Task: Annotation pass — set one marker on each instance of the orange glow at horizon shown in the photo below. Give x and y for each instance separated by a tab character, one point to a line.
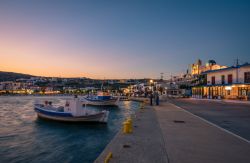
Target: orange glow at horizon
20	53
52	53
23	56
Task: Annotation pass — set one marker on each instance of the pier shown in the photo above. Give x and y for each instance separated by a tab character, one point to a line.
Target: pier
169	134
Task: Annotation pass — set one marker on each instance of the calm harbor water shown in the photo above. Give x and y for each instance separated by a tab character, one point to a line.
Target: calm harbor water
25	138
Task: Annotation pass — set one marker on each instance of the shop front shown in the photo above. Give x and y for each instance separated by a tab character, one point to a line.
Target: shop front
235	92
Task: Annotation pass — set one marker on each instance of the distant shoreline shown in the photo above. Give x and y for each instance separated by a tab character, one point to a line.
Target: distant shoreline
10	95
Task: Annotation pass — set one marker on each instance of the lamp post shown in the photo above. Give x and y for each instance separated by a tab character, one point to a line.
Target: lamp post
151	84
151	94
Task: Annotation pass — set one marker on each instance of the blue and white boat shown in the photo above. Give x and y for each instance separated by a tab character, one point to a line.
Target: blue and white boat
72	112
102	99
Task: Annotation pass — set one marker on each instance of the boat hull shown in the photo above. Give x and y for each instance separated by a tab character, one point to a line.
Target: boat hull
100	117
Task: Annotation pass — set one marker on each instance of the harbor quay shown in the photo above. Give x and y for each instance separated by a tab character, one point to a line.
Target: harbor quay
170	134
127	81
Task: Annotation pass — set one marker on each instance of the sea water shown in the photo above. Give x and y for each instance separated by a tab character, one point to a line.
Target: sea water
26	138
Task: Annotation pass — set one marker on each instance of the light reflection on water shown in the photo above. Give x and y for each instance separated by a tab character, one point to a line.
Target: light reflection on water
24	138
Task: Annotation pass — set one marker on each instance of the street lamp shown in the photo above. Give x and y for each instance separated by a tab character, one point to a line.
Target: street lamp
151	84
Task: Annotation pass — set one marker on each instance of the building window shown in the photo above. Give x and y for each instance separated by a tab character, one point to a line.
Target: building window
247	77
222	79
213	80
230	79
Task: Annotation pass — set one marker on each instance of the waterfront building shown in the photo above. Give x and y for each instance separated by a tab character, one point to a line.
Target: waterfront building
197	68
180	85
6	85
13	87
10	85
139	89
228	83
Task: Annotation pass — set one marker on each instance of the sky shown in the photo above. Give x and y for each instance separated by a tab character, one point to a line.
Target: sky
120	38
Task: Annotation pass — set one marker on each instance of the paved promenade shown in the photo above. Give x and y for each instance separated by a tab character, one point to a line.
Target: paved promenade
146	143
169	134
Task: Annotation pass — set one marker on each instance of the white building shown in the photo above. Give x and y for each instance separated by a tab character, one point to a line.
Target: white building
229	83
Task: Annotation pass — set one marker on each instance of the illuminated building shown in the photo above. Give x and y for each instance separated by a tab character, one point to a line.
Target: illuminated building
197	68
228	83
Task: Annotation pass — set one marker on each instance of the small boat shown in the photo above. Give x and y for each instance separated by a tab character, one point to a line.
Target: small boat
72	112
102	99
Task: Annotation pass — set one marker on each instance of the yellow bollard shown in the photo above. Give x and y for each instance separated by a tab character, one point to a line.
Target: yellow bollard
129	120
126	127
109	156
141	106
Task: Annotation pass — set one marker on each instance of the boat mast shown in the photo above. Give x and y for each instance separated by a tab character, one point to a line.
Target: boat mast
102	84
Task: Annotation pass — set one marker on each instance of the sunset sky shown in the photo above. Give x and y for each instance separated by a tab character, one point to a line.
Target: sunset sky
120	38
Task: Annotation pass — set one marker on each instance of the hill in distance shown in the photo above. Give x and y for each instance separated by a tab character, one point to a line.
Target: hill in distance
12	76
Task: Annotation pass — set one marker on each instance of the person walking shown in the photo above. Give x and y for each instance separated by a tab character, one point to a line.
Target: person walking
151	99
157	99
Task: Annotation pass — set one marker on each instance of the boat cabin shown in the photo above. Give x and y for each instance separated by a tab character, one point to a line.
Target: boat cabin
103	95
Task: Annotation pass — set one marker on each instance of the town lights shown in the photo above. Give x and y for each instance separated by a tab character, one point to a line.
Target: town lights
228	88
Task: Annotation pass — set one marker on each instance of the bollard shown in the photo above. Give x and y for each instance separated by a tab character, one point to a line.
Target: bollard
141	105
126	127
129	120
108	157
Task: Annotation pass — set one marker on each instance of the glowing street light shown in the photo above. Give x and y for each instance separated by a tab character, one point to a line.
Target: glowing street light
151	84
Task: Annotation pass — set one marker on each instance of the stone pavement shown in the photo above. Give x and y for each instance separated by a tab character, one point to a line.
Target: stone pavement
145	144
169	134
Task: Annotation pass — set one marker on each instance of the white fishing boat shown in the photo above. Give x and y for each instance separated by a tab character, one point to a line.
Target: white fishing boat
73	111
102	99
